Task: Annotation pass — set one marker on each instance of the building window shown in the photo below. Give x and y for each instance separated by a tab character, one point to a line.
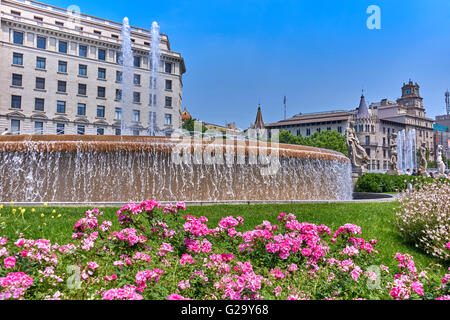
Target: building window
38	127
367	139
137	62
168	84
39	104
168	119
82	70
152	117
17	80
119	59
102	54
62	66
100	111
60	128
16	102
81	129
318	130
118	132
100	131
62	46
41	43
384	153
101	92
339	129
82	51
118	94
102	73
61	107
81	110
118	114
59	23
137	79
82	89
62	86
152	83
153	99
119	76
18	59
168	102
368	151
136	115
328	128
168	67
308	132
136	132
40	83
18	37
136	97
15	126
40	63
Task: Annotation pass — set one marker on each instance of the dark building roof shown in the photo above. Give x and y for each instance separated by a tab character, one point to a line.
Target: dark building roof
259	122
363	112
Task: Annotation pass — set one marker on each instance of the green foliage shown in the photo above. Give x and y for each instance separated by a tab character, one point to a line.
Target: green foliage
331	140
188	125
378	183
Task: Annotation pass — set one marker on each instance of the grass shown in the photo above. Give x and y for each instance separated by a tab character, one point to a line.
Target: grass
375	219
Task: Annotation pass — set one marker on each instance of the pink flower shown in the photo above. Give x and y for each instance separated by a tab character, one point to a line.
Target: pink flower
418	288
125	293
175	296
111	277
448	245
306	252
10	262
186	258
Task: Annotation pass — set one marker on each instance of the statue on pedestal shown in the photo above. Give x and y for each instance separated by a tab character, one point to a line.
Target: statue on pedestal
394	155
423	162
356	152
439	161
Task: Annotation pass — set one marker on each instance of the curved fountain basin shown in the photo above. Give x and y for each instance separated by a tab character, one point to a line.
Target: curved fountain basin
86	169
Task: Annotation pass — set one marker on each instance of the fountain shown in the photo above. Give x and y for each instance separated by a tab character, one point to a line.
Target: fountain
406	149
155	57
116	169
126	60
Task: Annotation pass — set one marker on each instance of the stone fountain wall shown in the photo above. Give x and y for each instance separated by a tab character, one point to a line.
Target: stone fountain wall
120	169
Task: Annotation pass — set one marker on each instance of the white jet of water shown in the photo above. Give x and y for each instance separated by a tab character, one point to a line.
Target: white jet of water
127	79
406	149
155	57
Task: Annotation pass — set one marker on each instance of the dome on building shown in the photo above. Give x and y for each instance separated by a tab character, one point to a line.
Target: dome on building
185	115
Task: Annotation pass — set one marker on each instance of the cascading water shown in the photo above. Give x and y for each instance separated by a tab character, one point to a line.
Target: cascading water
127	79
154	57
406	149
119	169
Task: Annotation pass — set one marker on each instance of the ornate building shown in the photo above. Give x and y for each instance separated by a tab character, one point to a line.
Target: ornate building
374	125
60	74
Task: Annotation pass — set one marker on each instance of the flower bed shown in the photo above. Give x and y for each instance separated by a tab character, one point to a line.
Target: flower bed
159	253
424	218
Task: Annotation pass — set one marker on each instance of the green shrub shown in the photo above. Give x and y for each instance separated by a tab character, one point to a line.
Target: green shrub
378	183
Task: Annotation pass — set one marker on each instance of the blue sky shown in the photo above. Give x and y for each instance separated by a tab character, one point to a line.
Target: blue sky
319	53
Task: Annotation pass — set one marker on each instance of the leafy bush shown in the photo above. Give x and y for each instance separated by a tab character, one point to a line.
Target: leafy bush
378	183
160	254
424	218
331	140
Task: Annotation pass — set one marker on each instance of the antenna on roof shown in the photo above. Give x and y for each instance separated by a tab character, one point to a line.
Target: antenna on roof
285	108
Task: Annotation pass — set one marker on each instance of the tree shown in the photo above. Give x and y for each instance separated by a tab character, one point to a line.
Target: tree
331	140
188	125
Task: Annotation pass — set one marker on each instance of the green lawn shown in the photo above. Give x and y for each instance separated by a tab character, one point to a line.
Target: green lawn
375	219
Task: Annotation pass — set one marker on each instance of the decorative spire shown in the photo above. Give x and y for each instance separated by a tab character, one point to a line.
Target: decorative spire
363	112
259	123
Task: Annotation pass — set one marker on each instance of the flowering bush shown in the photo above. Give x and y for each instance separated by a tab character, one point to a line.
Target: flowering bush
424	218
159	253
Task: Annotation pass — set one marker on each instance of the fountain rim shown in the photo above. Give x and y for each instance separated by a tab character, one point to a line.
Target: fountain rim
105	143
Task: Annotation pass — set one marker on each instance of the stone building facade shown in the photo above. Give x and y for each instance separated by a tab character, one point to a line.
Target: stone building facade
374	125
60	74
